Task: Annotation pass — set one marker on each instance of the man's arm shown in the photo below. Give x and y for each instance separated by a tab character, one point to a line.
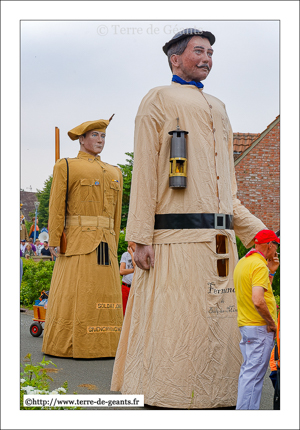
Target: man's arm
124	271
273	265
53	252
262	308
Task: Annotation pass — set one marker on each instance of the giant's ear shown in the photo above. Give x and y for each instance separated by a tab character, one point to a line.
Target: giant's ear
175	60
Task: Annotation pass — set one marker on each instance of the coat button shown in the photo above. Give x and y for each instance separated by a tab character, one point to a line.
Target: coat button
218	177
216	153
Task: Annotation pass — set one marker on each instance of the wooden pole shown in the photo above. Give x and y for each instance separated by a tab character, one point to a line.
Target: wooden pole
57	156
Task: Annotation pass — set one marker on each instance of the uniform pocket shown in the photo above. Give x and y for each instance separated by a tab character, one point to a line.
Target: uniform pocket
112	193
86	189
115	188
89	190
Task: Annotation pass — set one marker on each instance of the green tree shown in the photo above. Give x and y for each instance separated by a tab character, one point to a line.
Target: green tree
43	197
126	170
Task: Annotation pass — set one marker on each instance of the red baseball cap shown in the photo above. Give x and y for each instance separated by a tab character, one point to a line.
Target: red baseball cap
266	236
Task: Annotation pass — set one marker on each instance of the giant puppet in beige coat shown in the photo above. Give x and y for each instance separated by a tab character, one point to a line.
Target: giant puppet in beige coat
84	314
179	344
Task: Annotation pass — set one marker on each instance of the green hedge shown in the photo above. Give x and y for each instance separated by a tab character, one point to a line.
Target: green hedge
36	278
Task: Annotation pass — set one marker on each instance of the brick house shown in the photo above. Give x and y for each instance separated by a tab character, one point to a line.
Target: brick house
257	168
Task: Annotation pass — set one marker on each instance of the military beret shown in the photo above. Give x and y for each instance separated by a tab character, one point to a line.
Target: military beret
98	125
186	33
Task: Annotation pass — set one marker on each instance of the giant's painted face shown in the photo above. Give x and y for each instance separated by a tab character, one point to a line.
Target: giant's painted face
93	142
195	62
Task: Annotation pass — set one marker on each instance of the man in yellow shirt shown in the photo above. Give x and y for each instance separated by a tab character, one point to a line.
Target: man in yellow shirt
257	317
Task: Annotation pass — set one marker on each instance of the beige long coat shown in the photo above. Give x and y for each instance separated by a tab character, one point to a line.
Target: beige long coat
179	344
84	315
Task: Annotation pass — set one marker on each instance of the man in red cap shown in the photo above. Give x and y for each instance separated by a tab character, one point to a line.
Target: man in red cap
257	316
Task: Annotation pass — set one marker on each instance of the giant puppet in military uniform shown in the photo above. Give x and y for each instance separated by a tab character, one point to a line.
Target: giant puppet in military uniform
179	344
84	314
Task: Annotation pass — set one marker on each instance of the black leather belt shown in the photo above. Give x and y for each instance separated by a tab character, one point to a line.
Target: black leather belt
188	221
126	285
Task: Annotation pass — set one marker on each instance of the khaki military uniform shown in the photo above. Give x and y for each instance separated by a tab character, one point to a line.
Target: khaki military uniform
179	344
84	314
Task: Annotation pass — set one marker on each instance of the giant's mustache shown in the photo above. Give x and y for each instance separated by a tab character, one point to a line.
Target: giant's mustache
205	66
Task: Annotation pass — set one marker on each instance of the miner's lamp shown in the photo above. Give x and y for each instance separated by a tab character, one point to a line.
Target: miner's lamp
178	159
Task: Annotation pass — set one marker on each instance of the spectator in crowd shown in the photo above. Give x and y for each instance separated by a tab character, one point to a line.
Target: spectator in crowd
28	251
32	245
23	246
31	231
21	267
257	315
46	250
127	266
273	368
38	246
23	229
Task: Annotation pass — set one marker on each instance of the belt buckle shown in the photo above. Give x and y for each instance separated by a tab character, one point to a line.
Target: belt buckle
220	221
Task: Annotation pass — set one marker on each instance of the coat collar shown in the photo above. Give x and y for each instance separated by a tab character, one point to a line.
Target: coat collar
88	157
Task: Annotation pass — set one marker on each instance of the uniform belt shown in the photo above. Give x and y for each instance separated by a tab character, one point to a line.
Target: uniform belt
90	221
189	221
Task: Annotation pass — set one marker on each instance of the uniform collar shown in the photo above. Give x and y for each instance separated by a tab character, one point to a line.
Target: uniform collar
88	157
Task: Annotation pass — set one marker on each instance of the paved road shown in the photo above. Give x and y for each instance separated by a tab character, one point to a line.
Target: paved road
91	376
